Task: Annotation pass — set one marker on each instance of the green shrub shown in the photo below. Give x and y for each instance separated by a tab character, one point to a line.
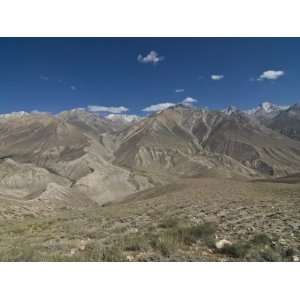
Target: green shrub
269	254
165	247
168	223
92	252
205	232
261	239
20	253
178	236
259	248
237	250
113	254
134	243
289	253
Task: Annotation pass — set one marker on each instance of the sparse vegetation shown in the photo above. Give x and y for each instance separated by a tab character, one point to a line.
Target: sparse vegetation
134	243
236	250
112	254
259	248
183	184
142	231
169	223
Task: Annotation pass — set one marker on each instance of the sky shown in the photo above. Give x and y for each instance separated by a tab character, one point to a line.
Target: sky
142	75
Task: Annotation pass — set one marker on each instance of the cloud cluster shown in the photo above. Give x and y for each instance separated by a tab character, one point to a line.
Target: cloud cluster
270	75
110	109
151	58
216	77
123	117
189	101
158	107
179	91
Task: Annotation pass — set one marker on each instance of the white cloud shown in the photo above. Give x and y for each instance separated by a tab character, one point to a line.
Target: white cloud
111	109
158	107
151	58
217	77
179	91
189	101
73	87
123	117
270	75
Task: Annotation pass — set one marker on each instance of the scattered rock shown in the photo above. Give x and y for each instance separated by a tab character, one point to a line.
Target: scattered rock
129	257
82	244
251	229
133	230
296	258
282	242
82	247
222	243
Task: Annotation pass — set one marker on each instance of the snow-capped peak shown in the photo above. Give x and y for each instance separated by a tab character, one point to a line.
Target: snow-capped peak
270	107
229	110
266	107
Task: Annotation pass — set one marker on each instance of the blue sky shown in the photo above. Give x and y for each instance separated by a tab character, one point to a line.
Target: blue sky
55	74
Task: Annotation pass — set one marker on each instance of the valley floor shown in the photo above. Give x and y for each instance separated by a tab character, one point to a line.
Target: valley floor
195	219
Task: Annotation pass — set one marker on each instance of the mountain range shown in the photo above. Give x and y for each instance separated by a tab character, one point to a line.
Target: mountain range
78	158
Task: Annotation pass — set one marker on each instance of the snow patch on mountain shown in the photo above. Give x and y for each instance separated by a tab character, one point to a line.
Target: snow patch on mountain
229	110
266	108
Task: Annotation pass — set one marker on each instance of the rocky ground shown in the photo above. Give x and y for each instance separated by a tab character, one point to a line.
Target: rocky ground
195	219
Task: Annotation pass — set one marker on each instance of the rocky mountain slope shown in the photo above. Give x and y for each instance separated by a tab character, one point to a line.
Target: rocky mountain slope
185	140
266	110
103	159
36	150
287	122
